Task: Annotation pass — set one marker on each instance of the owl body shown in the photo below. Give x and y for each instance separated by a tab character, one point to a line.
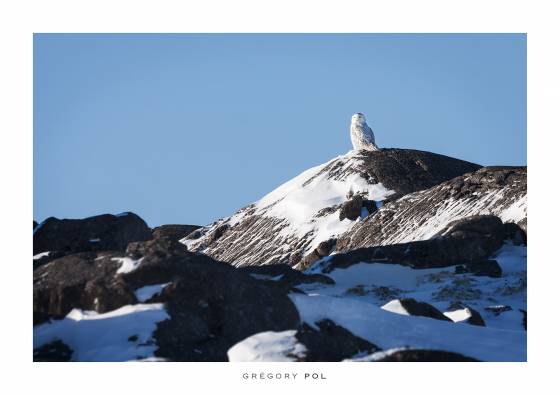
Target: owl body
361	134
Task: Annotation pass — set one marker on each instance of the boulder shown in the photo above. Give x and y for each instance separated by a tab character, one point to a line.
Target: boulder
213	306
486	230
475	318
351	209
515	233
331	342
175	232
55	351
487	267
100	233
85	280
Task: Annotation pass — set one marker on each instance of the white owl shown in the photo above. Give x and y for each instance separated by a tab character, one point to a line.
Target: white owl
361	134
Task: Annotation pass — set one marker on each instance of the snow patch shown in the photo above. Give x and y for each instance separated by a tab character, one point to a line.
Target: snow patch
268	347
105	337
40	255
149	291
127	264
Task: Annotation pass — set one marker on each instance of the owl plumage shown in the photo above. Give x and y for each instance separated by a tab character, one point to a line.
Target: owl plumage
361	134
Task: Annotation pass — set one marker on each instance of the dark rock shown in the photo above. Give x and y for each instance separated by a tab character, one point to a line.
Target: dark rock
370	206
35	224
396	219
414	307
197	234
515	233
55	351
100	233
175	232
214	306
488	230
218	232
524	312
412	355
351	209
84	280
488	268
133	338
475	318
498	309
331	343
461	244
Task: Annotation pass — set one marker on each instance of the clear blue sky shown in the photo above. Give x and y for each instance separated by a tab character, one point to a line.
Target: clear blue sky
189	128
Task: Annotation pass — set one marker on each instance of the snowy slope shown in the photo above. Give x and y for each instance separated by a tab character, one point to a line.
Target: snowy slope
294	218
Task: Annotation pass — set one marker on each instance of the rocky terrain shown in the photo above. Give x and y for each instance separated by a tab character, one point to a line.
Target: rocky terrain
389	255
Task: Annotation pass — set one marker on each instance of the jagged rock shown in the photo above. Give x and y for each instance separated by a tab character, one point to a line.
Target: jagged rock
412	355
461	243
99	233
56	351
488	267
35	224
414	307
176	232
420	215
331	342
351	209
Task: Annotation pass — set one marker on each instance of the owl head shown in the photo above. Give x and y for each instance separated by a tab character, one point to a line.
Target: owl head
358	118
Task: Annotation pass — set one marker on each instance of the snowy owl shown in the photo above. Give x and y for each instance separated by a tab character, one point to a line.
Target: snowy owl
361	134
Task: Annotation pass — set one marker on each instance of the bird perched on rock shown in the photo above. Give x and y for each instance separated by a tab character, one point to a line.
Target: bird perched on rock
361	134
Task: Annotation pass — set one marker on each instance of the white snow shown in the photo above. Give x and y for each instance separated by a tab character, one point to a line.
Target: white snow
127	264
105	337
359	300
267	347
94	240
300	199
389	330
149	291
40	255
395	306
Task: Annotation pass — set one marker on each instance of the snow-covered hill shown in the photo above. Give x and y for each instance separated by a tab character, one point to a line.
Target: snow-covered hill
291	221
